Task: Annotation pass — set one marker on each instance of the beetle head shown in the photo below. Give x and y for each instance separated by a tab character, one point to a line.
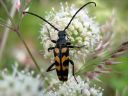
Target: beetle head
62	34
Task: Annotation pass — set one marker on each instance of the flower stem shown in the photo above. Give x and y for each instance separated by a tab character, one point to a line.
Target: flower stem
36	64
11	14
6	30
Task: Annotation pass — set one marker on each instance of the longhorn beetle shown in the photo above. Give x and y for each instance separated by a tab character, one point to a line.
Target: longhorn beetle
61	49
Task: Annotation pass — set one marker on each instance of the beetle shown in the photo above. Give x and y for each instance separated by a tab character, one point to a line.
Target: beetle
61	49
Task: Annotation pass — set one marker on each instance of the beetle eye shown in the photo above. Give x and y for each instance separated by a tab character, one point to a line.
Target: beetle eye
64	34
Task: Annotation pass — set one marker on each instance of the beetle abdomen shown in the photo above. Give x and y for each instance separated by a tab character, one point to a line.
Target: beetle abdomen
62	62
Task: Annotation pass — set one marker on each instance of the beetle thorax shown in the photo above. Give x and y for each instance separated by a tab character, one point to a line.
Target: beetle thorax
62	37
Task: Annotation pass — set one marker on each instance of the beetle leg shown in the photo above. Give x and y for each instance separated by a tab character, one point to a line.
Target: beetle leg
50	67
70	46
54	41
68	43
50	48
73	70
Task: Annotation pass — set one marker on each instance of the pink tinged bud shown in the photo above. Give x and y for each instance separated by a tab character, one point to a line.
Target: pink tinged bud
102	72
101	68
93	75
125	43
117	54
111	62
90	75
18	4
101	54
121	49
106	44
28	1
99	47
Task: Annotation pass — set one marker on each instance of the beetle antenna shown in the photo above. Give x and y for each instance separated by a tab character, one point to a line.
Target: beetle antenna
77	12
41	19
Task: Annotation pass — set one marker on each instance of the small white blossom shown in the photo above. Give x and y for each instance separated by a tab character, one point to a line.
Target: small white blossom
20	84
82	31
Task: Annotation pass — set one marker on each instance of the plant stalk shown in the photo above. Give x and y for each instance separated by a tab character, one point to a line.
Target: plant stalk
6	30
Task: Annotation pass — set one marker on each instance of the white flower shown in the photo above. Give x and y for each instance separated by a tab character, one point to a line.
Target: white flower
82	31
20	84
71	88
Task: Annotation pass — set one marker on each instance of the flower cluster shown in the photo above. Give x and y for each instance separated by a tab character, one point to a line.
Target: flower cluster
71	88
20	84
23	83
82	31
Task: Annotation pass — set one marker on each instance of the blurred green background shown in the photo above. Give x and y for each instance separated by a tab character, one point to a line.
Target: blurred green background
113	83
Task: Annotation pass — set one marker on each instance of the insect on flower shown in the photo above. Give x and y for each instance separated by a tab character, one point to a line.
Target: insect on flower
61	49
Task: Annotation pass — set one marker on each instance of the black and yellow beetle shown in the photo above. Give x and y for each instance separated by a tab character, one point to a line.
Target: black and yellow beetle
61	49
